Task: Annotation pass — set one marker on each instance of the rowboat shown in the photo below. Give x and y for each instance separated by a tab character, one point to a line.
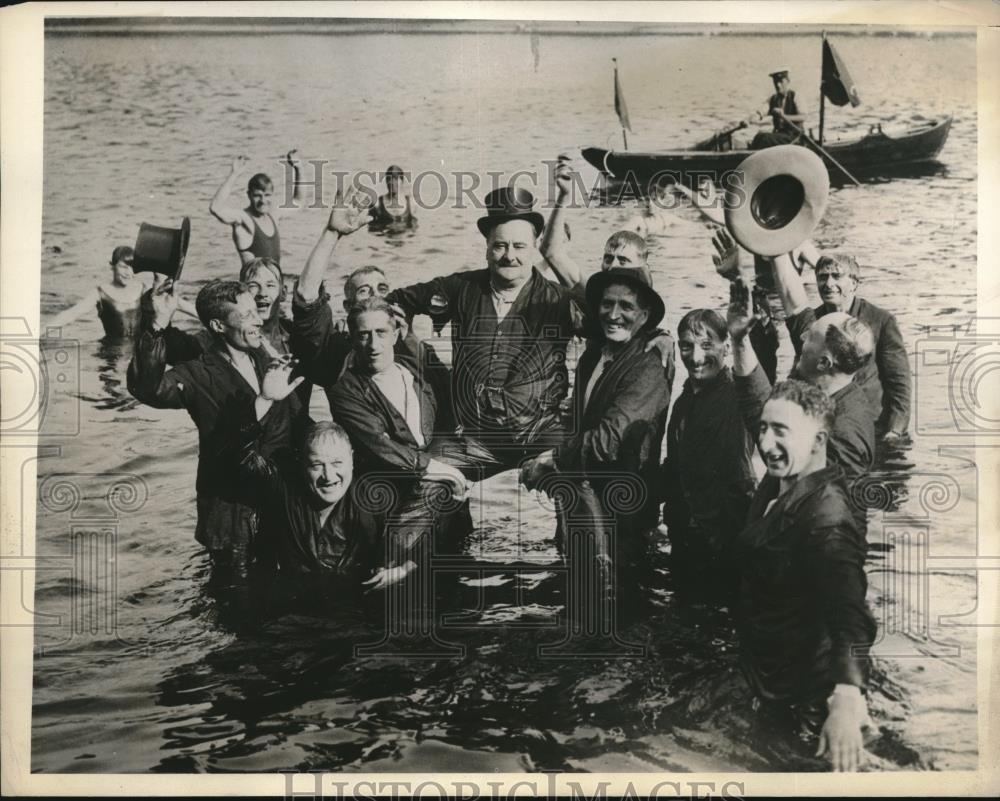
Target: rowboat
876	154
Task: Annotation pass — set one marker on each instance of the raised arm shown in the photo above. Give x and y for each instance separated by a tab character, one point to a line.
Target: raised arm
292	161
554	246
346	217
752	386
148	379
788	284
222	207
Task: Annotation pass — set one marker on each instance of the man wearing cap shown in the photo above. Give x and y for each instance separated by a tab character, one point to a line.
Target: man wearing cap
255	228
510	329
886	379
212	387
784	112
620	407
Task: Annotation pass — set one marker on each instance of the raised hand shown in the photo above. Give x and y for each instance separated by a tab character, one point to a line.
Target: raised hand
239	164
291	159
277	384
563	178
164	302
349	213
727	256
741	315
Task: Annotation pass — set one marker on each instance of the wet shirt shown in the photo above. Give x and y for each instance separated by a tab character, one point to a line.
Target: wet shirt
886	379
509	376
802	618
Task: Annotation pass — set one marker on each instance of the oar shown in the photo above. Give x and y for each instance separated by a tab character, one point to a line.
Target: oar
820	148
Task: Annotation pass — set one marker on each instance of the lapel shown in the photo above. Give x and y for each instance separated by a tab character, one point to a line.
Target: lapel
217	358
375	396
783	514
607	381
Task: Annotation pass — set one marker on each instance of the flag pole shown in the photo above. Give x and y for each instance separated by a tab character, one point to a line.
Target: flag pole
822	96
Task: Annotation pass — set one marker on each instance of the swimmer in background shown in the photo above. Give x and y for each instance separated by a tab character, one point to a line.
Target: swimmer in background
392	211
117	302
255	228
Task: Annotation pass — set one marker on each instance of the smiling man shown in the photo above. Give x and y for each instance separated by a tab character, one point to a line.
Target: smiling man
212	386
708	473
803	623
255	227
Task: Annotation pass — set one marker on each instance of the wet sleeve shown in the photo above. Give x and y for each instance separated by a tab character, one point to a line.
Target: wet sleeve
752	391
894	373
435	298
798	325
321	350
641	397
148	379
851	445
834	563
261	474
370	436
181	346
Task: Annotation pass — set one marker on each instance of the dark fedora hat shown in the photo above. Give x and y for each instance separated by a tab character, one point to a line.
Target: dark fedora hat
161	250
510	203
638	278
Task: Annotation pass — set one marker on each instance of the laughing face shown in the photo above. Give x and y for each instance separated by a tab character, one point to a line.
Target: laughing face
266	289
241	327
703	354
620	314
836	288
329	468
789	440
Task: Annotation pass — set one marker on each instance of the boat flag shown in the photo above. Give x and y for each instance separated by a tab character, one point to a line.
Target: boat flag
837	84
620	108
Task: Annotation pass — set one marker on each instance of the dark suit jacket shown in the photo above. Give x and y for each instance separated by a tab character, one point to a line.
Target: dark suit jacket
886	379
621	429
802	610
213	392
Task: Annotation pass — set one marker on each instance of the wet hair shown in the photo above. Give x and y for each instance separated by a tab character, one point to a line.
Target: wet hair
850	343
811	400
122	253
260	181
622	238
251	268
393	169
372	304
316	432
703	320
216	297
846	264
366	270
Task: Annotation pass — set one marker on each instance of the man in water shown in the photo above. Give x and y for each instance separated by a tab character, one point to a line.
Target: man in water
311	519
212	387
803	624
886	380
510	330
784	112
708	473
255	228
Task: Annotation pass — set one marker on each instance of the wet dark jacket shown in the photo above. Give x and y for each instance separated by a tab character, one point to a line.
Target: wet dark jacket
620	430
708	475
348	543
802	610
886	379
324	351
213	392
508	378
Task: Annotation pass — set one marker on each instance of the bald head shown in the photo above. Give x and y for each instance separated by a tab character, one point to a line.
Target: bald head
836	343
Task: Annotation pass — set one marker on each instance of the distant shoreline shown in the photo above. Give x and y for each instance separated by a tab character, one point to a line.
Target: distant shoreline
262	26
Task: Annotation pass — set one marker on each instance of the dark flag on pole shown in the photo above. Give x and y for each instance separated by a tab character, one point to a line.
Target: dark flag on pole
837	84
620	108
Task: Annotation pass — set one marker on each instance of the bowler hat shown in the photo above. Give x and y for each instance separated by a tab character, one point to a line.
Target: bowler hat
776	198
161	250
510	203
638	278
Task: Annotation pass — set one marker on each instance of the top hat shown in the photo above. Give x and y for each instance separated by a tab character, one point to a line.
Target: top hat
777	76
776	198
161	250
510	203
638	278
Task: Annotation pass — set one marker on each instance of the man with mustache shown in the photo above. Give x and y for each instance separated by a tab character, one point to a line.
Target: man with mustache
212	386
886	380
803	623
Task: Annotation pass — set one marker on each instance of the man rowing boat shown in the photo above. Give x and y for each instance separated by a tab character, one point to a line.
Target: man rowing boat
784	112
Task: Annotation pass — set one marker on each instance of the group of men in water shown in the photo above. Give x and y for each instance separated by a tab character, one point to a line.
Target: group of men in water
365	497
